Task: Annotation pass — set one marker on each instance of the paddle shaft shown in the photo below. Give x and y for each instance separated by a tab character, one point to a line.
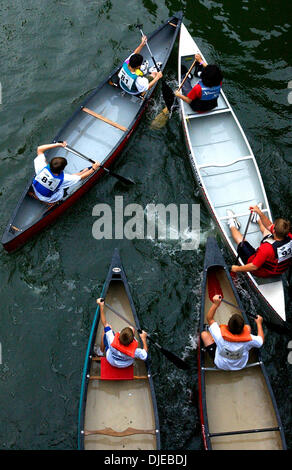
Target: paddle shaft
152	57
121	178
252	315
244	235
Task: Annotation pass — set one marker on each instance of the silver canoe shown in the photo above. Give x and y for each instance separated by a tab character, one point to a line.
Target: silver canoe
99	129
117	414
226	171
238	410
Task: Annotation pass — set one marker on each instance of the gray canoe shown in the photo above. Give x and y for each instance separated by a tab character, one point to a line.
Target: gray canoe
226	171
99	129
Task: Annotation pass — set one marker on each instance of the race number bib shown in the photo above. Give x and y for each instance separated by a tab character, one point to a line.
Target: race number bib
284	252
126	79
47	180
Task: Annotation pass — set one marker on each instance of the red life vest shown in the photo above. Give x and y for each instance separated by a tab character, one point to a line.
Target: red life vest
282	255
242	338
128	350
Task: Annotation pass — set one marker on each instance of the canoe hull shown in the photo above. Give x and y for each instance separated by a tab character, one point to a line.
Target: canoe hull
216	144
247	425
91	135
117	404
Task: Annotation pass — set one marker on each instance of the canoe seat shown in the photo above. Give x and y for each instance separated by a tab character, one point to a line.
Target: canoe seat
104	119
126	432
108	372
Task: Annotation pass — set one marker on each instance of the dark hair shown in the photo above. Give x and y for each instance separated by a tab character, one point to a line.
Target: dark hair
211	75
126	336
57	165
236	324
136	60
282	227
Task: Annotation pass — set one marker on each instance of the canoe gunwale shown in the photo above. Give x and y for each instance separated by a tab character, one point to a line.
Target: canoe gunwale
275	316
116	262
12	243
214	258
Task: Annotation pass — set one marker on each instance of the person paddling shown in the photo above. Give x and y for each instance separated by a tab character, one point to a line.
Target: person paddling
204	95
120	348
132	79
51	180
229	345
274	255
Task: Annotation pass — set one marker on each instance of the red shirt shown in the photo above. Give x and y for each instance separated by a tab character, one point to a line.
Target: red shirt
265	252
196	92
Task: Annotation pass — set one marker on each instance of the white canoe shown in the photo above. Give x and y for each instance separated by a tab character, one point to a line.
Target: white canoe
226	171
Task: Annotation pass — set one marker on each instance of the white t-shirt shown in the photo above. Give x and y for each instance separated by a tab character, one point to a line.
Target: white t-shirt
68	181
232	356
119	359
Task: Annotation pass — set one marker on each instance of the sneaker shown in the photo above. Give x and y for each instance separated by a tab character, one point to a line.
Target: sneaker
154	69
232	221
144	67
97	350
255	217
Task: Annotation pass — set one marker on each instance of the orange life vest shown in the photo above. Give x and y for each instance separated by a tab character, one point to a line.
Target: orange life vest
242	338
128	350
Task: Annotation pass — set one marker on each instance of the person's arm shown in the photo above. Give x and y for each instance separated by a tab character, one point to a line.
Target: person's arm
199	59
155	79
143	337
264	219
89	171
100	302
210	315
244	269
43	148
141	45
259	323
182	97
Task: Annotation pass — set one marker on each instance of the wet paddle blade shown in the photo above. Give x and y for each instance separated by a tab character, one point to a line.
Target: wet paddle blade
160	120
175	359
170	356
168	95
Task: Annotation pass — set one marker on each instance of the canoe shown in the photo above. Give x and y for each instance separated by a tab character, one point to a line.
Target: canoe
227	174
99	129
117	414
237	408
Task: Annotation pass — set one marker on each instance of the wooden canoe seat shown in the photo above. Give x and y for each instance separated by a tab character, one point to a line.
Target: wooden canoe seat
102	118
108	372
126	432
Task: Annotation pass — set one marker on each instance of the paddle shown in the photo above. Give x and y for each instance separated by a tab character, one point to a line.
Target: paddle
244	235
168	354
111	173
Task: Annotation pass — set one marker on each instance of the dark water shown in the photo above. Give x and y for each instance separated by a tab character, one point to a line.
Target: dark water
52	54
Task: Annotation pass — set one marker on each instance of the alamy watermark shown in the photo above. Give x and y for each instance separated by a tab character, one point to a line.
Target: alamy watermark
289	97
155	221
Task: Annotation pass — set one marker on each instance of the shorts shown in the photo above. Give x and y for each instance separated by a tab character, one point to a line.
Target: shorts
245	251
211	350
105	341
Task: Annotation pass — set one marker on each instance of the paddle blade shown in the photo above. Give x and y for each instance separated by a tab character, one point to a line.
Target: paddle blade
168	95
175	359
160	120
214	287
121	178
